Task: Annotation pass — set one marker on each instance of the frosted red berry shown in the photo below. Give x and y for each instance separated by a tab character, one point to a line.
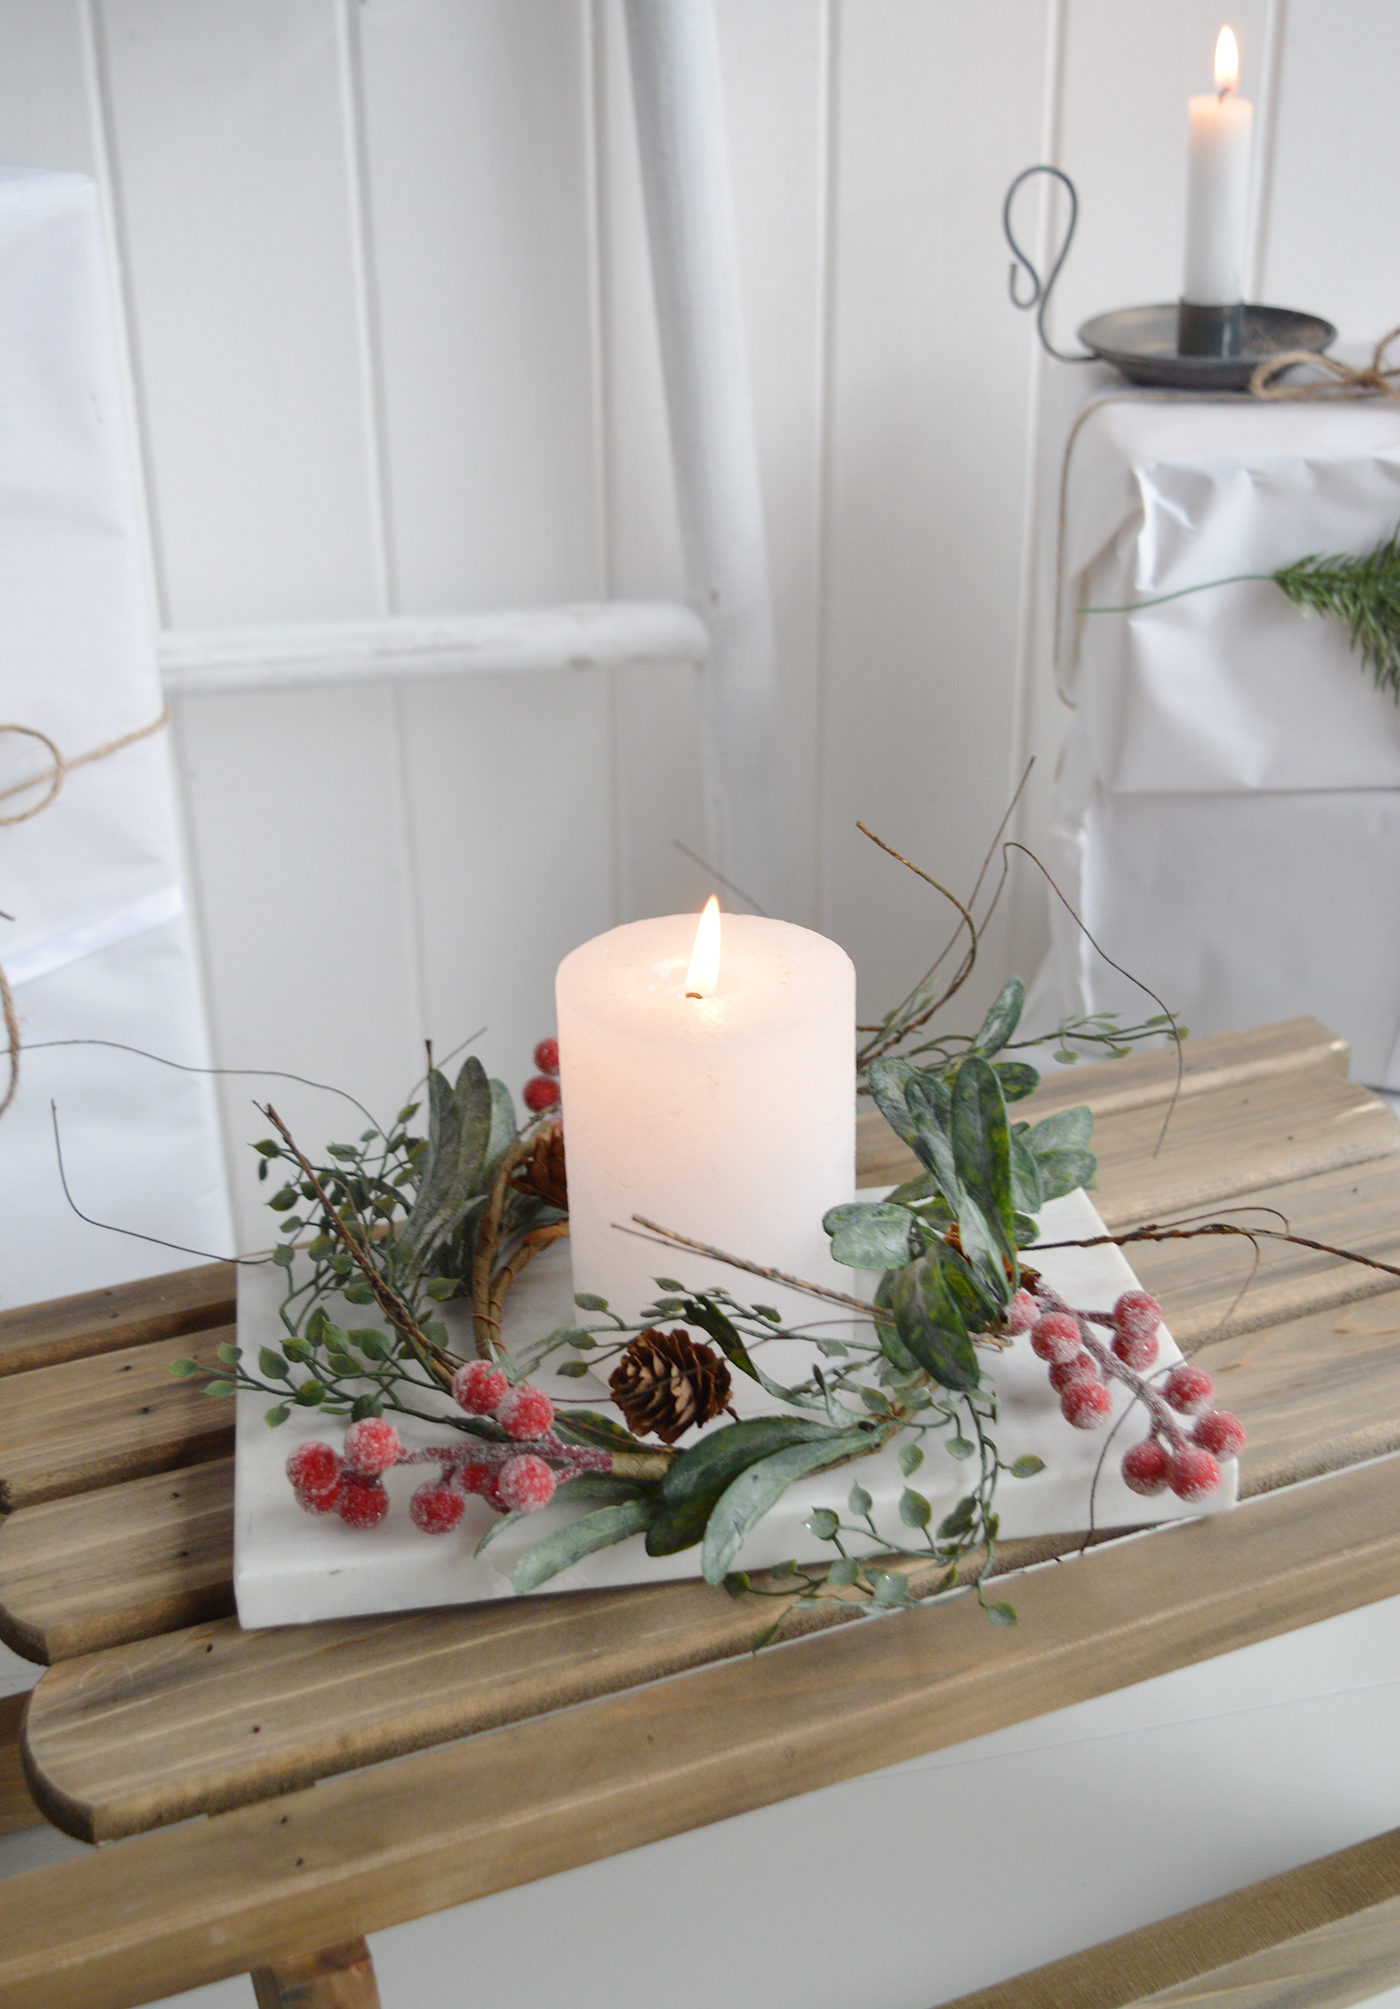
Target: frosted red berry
1086	1404
477	1387
436	1509
1147	1468
476	1478
525	1485
1137	1315
540	1093
1194	1473
525	1411
1055	1336
1188	1389
314	1470
1062	1372
362	1501
1220	1433
1022	1312
371	1447
547	1056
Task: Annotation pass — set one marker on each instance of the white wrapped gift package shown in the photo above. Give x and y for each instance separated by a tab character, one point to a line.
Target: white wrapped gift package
1228	802
291	1567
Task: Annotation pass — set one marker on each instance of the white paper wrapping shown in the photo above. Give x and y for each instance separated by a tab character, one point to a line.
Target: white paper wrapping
99	946
291	1567
1228	804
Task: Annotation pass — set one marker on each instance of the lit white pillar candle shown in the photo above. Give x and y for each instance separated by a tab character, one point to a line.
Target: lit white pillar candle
1217	187
728	1115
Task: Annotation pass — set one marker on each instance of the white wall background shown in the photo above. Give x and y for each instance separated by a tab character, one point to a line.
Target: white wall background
392	351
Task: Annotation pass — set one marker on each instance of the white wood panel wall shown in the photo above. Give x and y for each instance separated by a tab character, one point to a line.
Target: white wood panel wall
392	351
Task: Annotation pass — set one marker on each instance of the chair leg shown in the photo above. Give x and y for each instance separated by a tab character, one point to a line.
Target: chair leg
339	1977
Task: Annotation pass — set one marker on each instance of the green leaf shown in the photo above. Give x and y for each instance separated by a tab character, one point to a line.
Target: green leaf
589	1301
859	1502
982	1148
695	1481
459	1128
441	1288
887	1081
759	1488
707	1315
299	1350
914	1509
891	1590
1017	1079
1062	1171
269	1147
581	1538
370	1341
310	1395
870	1234
668	1284
1001	1614
931	1326
219	1387
586	1426
959	1447
185	1368
365	1405
930	1106
823	1523
358	1293
408	1112
959	1522
280	1202
737	1583
277	1415
1027	1193
910	1459
604	1486
1065	1130
282	1256
1026	1466
272	1364
1002	1020
572	1369
844	1572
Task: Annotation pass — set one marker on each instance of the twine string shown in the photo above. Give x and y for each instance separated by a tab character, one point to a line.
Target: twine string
51	779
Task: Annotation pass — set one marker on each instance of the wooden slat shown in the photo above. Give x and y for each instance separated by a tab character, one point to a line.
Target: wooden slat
96	1422
102	1321
1213	1941
338	1977
175	1909
1350	1961
1224	1060
118	1564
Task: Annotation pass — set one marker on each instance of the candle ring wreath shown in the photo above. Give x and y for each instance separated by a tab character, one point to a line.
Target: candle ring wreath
403	1222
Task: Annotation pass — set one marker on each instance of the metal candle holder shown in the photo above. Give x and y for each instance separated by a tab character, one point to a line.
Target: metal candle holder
1172	344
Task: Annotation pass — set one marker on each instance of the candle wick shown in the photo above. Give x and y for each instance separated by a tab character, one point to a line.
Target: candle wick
696	994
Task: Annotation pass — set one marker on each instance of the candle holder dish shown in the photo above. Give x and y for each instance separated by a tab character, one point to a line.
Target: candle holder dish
1168	345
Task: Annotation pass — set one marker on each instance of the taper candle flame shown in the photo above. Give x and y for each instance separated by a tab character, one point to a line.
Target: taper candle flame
1227	62
704	964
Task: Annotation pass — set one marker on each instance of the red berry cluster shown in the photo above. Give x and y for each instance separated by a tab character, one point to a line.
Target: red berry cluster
516	1477
1081	1364
541	1091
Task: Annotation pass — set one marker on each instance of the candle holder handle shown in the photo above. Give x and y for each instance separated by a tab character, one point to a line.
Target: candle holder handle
1041	289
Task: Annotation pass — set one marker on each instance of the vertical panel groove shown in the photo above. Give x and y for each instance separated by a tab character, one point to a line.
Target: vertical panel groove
828	246
366	286
109	188
1266	142
594	112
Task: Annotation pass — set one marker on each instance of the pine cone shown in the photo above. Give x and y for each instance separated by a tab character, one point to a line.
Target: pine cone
542	1174
665	1381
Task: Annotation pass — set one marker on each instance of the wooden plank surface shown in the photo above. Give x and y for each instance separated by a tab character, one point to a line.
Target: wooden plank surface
120	1563
1351	1960
177	1908
102	1321
1217	1939
17	1809
338	1977
96	1422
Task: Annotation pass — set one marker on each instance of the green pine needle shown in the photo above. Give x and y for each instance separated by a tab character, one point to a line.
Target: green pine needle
1365	593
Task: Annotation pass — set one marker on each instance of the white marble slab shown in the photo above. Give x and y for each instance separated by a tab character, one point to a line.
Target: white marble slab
291	1568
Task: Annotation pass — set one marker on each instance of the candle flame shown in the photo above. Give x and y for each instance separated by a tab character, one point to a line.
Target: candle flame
704	964
1227	62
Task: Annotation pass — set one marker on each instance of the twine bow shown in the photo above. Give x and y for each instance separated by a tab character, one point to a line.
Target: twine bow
54	777
1372	381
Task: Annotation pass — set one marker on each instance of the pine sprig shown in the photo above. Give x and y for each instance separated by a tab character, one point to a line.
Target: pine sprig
1365	593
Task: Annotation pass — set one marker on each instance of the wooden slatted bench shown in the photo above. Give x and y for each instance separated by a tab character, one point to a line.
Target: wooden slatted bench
116	1561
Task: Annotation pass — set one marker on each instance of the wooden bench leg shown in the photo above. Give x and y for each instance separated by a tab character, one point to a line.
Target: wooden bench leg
17	1811
339	1977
